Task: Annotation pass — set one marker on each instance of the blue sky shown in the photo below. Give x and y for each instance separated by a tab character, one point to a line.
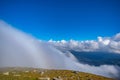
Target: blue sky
63	19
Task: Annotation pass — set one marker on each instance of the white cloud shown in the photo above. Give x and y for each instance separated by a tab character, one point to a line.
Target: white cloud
19	49
104	70
116	37
107	44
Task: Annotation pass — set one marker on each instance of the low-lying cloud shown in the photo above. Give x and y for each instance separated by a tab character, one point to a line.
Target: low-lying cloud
102	44
17	49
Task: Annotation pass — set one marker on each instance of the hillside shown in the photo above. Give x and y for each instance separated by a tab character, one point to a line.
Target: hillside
44	74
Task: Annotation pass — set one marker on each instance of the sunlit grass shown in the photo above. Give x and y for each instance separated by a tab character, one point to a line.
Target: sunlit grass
37	74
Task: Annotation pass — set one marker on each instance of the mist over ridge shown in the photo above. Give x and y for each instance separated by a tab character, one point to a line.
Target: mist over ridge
18	49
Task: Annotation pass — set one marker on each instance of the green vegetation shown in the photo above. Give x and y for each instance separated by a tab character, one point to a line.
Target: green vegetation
38	74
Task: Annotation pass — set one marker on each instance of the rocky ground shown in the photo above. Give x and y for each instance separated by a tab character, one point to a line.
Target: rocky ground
44	74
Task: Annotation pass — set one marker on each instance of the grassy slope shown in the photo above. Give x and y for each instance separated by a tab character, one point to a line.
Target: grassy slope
34	74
